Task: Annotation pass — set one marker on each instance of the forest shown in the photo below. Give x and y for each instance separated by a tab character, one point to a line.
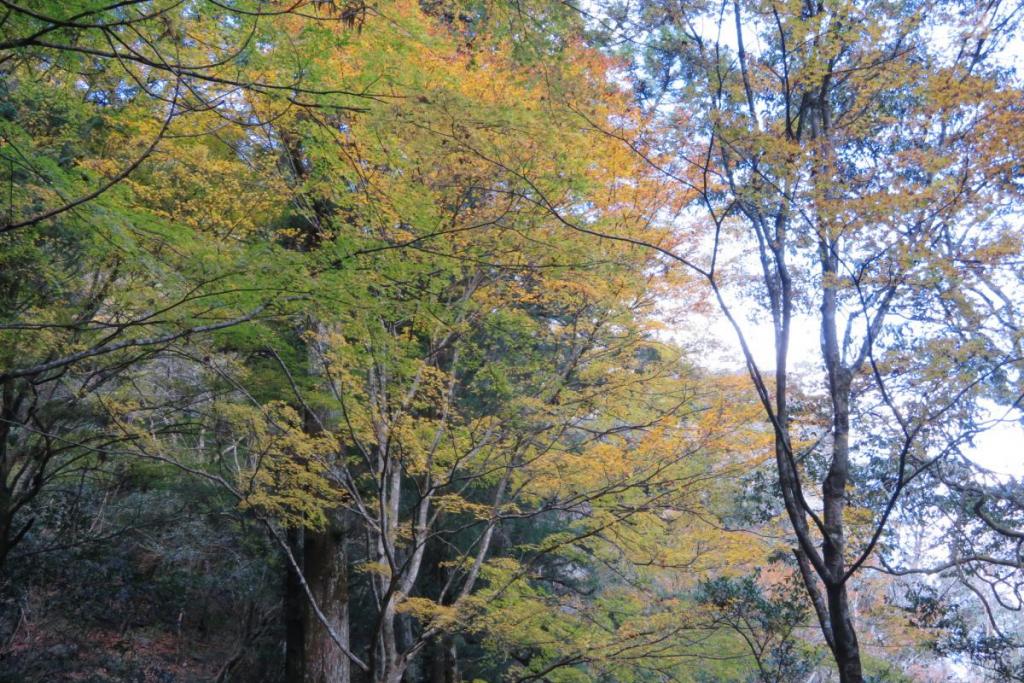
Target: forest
487	341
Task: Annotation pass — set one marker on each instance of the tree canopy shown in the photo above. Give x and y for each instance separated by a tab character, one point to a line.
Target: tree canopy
377	341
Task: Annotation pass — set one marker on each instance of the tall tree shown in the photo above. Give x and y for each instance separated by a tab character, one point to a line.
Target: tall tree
451	359
854	164
118	117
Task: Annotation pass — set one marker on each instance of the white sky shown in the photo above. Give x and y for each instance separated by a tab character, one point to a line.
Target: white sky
1000	449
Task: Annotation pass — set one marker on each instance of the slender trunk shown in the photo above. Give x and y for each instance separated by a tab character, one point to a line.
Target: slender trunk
5	528
844	646
294	609
390	667
846	649
8	418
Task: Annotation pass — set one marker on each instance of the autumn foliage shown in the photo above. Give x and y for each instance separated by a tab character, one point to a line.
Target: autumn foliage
347	341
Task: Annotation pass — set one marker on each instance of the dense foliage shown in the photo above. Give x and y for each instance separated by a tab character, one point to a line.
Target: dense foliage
347	341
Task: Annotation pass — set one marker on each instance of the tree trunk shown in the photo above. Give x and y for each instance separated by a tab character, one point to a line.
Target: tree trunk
8	418
444	661
840	377
846	649
326	572
294	608
389	668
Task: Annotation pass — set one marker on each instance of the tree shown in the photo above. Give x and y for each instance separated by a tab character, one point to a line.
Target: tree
854	164
373	297
766	617
104	270
451	363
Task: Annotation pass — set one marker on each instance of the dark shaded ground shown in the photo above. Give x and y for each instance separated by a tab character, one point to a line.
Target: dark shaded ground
150	589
